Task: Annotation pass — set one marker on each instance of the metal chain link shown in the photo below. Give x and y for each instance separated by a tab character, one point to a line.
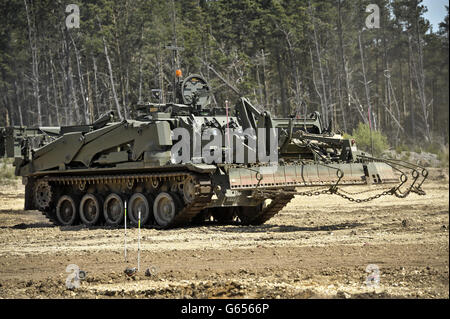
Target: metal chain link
418	191
338	191
364	200
344	194
314	192
362	192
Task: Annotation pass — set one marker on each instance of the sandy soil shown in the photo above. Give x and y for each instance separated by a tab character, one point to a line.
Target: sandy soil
316	247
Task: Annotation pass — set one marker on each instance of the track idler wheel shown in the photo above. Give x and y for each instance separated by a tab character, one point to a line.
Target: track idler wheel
90	210
113	210
67	211
165	208
139	202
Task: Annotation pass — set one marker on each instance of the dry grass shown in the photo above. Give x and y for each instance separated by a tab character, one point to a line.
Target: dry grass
7	171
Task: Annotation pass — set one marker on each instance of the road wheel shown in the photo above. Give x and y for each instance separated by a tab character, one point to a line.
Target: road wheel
113	210
66	211
90	210
189	190
139	202
164	209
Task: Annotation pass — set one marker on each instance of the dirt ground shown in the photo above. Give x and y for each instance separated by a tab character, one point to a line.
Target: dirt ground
316	247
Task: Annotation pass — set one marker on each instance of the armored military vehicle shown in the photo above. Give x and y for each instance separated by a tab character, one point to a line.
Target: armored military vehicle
162	166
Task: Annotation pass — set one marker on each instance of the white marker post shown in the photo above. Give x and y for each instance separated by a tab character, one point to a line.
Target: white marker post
228	148
139	239
125	237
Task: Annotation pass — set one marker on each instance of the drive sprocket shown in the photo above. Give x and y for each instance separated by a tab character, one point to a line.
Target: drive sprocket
43	195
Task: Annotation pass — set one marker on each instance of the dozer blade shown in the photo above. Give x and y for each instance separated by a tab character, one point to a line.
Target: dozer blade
379	173
311	175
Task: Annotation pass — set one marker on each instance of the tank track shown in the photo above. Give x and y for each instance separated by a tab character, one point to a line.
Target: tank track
201	200
187	211
49	213
92	179
272	209
203	191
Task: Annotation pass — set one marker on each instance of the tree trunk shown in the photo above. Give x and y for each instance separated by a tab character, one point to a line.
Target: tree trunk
18	103
324	90
366	85
55	93
111	77
284	103
95	101
80	79
34	58
411	91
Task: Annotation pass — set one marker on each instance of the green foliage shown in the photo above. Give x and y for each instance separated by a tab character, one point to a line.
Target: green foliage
434	148
308	46
402	148
406	156
362	137
443	156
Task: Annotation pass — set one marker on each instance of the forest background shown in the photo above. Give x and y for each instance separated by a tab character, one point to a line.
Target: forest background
290	57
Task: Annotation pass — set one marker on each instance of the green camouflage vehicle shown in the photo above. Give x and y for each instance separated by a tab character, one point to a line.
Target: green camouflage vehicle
185	162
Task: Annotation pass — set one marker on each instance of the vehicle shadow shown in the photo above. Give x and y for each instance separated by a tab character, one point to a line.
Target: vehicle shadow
27	226
11	195
233	227
286	228
14	211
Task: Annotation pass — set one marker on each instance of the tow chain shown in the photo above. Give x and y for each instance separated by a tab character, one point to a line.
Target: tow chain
362	192
368	199
334	189
337	191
